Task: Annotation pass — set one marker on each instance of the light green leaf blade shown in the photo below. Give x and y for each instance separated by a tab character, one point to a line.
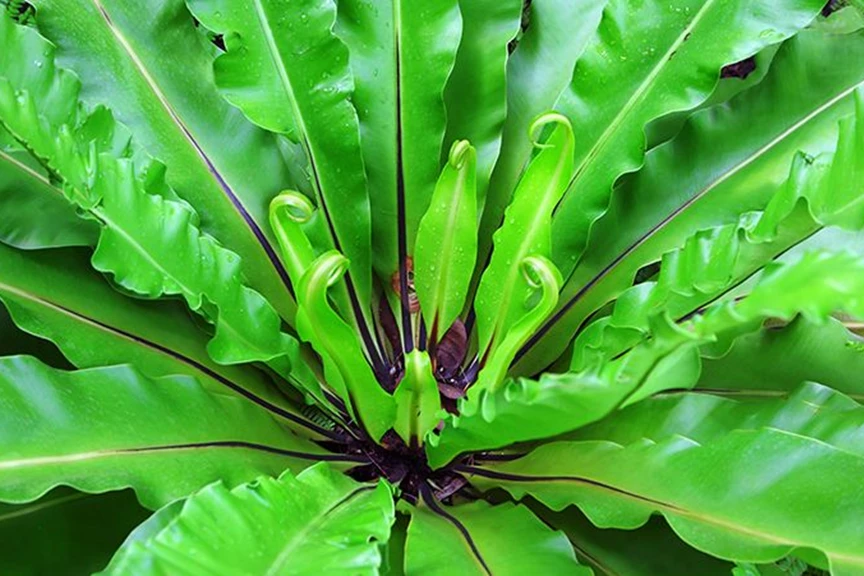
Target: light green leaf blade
345	367
317	522
446	248
105	429
402	53
66	532
526	231
147	62
476	92
646	61
712	263
287	51
417	399
479	538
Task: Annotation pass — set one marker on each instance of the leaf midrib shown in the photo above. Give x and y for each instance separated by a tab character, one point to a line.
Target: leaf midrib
134	451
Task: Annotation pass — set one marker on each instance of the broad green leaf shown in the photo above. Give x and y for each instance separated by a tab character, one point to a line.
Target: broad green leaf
651	550
345	367
524	410
150	244
645	61
810	410
479	538
35	214
288	72
446	248
317	522
402	53
726	161
95	326
770	362
759	516
526	231
417	400
110	428
66	532
146	61
476	92
538	72
822	192
667	127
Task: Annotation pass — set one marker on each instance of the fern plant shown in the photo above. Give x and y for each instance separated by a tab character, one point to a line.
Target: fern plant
439	287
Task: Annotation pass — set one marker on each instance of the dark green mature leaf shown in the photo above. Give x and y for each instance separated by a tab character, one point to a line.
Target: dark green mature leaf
651	550
105	429
145	61
402	53
479	538
525	409
65	532
634	72
538	71
149	243
700	489
288	72
35	214
725	162
95	326
476	92
319	522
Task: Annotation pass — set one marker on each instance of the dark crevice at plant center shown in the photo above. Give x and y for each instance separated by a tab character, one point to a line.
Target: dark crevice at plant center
402	466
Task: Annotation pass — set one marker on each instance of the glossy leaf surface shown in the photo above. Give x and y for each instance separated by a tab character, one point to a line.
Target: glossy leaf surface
319	521
106	429
149	65
288	72
482	539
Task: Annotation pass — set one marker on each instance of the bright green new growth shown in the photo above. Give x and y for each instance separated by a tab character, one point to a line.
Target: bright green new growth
452	286
446	248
